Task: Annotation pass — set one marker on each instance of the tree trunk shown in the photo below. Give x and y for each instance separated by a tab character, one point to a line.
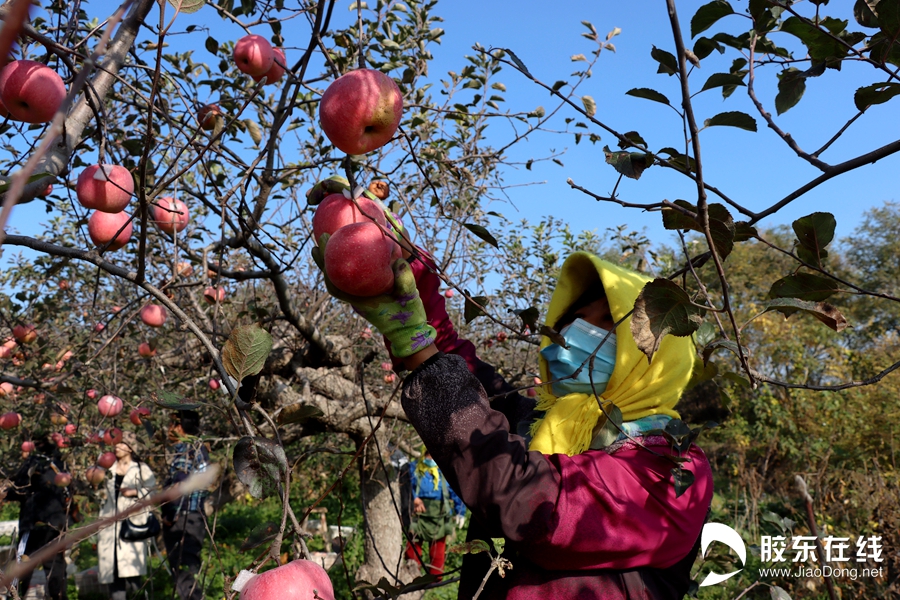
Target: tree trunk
384	539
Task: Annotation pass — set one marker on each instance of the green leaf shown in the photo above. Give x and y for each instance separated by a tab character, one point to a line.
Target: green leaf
470	310
707	15
804	286
743	231
482	233
721	223
864	14
260	463
260	535
732	119
877	93
172	401
824	312
254	130
704	46
473	547
212	45
778	593
4	187
721	80
648	94
590	107
629	164
516	61
297	413
682	162
187	7
554	336
609	431
662	308
667	62
705	334
828	43
791	86
528	315
634	137
246	351
683	480
674	219
814	232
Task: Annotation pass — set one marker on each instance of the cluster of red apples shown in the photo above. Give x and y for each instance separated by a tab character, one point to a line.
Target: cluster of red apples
359	112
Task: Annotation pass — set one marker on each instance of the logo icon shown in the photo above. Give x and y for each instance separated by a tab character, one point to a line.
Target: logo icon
718	532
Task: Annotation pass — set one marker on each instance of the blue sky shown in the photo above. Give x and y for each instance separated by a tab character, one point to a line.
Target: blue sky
755	169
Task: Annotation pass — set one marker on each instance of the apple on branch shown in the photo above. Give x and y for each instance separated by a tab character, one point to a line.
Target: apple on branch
106	460
253	55
209	115
170	215
298	579
276	71
358	259
103	228
24	334
107	188
361	110
154	315
109	405
31	91
146	350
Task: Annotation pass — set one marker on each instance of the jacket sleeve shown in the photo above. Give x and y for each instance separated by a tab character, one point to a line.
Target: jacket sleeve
593	510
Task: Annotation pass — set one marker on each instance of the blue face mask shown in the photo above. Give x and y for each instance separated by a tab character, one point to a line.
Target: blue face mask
429	462
582	338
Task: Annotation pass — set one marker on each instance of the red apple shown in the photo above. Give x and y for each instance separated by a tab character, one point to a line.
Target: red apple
107	189
112	436
208	115
99	327
386	366
214	294
102	227
170	215
70	429
390	377
358	260
62	479
502	336
109	405
91	394
46	191
297	579
361	110
214	384
145	350
31	91
448	294
336	211
95	475
10	420
138	413
6	389
24	334
6	352
184	269
276	71
253	55
107	459
366	334
154	315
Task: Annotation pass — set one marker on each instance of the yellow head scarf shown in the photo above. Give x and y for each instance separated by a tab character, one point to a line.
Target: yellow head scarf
638	387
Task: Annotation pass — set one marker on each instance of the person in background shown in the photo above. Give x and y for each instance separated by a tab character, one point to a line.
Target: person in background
184	522
47	510
436	511
123	562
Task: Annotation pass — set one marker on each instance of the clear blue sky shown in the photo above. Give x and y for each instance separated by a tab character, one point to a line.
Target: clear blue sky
755	169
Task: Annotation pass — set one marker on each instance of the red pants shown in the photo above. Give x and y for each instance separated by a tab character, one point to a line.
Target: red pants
436	551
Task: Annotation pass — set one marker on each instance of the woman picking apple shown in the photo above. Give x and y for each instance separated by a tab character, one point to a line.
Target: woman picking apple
586	509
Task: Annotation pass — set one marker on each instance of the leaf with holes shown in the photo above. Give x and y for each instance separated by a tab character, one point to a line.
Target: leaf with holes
246	351
260	535
260	464
297	413
662	308
648	94
629	164
824	312
804	286
877	93
482	233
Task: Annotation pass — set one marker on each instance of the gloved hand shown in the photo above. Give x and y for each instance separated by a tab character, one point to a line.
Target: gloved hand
399	315
460	521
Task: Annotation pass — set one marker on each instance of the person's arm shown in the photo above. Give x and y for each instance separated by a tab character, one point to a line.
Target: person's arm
593	510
